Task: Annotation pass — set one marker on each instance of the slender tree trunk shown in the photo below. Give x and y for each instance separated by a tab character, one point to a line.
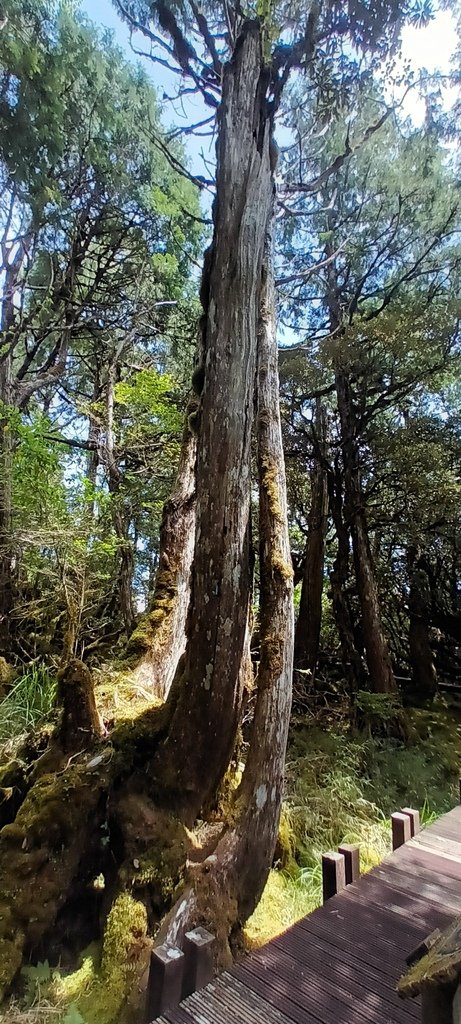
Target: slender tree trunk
7	558
159	640
351	659
209	690
376	648
424	677
307	635
125	554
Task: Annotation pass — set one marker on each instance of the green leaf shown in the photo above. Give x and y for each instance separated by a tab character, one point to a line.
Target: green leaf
73	1016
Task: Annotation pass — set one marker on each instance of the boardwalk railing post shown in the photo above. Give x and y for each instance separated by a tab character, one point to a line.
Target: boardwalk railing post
333	874
198	960
415	824
164	987
401	829
351	854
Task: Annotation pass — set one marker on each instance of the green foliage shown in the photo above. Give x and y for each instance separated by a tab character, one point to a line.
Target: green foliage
29	702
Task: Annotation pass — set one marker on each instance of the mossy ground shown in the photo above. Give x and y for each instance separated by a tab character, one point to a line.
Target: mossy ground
120	698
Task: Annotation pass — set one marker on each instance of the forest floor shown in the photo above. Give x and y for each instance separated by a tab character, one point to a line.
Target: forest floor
340	787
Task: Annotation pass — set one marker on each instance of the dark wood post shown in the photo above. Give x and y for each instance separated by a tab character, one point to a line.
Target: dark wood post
414	820
401	829
417	954
436	1005
351	854
198	960
164	988
333	874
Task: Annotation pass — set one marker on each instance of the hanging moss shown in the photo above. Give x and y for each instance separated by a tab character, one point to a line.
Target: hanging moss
285	569
270	482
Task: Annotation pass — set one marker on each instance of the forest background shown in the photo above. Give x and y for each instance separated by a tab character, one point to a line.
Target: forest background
106	212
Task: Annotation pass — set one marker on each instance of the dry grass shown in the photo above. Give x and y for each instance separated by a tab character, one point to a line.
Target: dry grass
42	1012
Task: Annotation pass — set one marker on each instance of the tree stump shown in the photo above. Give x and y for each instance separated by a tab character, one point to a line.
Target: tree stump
80	722
436	977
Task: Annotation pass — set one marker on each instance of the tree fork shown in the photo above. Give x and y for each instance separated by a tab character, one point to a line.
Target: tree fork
224	890
210	690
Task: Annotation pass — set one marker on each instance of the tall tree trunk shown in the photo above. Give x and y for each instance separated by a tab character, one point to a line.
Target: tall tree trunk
159	640
424	677
307	635
125	555
351	658
227	888
209	688
12	274
378	657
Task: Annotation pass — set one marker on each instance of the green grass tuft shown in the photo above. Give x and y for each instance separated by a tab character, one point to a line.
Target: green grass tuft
29	702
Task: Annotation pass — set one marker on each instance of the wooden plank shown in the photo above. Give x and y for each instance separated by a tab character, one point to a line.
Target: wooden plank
276	997
422	885
321	986
436	863
242	1003
382	893
348	978
438	843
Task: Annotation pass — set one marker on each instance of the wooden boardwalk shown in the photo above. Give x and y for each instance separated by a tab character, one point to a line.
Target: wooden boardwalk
340	964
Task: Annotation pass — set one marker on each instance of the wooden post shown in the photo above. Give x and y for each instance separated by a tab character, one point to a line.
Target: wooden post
460	791
164	987
351	854
417	954
415	824
457	1006
333	874
436	1005
401	829
198	960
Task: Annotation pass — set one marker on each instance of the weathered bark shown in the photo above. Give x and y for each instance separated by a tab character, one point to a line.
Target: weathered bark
307	634
160	638
210	688
424	676
226	888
